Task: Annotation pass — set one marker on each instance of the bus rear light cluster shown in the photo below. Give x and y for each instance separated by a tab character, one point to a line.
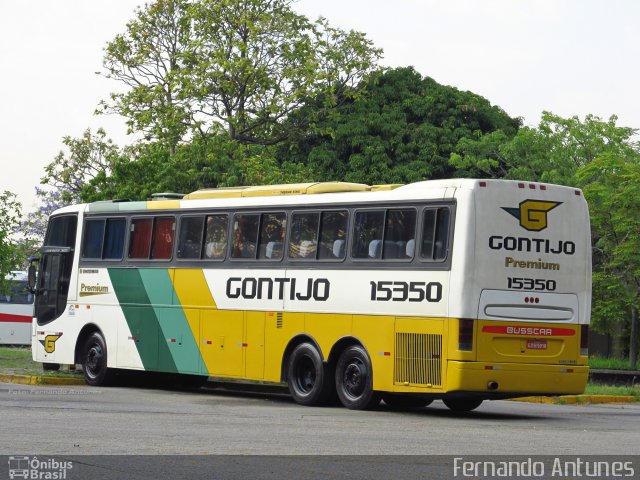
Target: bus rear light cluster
465	334
531	300
584	340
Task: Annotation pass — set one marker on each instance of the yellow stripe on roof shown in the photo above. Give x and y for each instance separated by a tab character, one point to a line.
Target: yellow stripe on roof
277	190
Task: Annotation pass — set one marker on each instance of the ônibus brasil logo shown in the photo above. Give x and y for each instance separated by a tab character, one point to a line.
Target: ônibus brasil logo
532	213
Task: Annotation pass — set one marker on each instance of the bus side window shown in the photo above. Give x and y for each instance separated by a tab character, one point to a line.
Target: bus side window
190	237
272	234
367	235
92	240
215	244
245	235
140	238
304	235
162	239
333	235
435	234
114	239
400	229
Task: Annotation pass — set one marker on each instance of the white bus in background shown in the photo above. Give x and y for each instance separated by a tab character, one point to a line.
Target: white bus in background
16	311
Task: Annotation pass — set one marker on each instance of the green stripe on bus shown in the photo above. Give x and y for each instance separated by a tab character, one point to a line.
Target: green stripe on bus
142	319
175	329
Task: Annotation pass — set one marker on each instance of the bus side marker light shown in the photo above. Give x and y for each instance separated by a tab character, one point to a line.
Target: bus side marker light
385	354
566	370
207	342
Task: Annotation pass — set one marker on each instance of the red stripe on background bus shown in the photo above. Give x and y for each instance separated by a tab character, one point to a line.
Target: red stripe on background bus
7	317
530	331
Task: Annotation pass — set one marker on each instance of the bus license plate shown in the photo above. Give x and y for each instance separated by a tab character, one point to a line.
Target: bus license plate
536	344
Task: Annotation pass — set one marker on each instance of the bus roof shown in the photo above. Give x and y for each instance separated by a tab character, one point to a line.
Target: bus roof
314	193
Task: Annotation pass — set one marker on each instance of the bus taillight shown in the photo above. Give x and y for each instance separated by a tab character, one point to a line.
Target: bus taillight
584	340
465	334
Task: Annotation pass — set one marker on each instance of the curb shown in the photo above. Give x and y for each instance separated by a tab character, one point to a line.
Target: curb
561	400
39	380
578	399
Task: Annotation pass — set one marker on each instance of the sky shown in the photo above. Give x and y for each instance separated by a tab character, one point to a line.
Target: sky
570	57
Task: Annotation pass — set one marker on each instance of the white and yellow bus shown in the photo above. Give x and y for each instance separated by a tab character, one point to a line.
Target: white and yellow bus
461	290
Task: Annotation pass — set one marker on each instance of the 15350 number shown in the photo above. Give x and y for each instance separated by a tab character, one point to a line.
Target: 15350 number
406	291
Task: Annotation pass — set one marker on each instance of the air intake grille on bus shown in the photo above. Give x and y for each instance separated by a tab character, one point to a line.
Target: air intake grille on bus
418	359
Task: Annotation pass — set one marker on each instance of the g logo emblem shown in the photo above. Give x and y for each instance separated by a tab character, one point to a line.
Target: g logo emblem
49	343
532	214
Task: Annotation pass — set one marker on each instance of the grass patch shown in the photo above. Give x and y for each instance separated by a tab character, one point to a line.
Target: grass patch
18	360
15	357
598	389
611	363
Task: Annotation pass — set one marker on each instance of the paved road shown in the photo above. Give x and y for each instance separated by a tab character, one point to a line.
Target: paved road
85	420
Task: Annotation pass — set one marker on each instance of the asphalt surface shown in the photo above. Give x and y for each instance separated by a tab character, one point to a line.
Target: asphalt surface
82	420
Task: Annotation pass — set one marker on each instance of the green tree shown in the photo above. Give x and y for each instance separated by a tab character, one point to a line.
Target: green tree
148	59
402	128
611	185
242	66
553	152
88	161
10	214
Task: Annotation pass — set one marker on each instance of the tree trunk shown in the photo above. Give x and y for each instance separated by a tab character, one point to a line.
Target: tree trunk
633	340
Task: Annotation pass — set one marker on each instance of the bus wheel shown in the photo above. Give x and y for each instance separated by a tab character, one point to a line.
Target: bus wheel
462	404
308	376
354	380
94	361
405	401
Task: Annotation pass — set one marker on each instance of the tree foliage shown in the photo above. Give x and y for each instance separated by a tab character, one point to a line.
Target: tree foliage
10	214
612	186
88	160
148	60
553	152
239	65
402	129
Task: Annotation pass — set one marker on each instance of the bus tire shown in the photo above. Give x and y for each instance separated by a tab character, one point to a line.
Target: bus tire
308	376
354	380
94	361
462	404
405	401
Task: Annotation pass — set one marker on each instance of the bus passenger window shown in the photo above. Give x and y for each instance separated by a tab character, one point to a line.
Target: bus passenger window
333	235
190	237
304	235
435	234
400	229
215	244
367	238
114	239
245	235
92	240
272	236
163	230
140	238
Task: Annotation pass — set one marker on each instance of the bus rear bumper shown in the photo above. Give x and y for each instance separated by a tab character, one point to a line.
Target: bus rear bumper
516	378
